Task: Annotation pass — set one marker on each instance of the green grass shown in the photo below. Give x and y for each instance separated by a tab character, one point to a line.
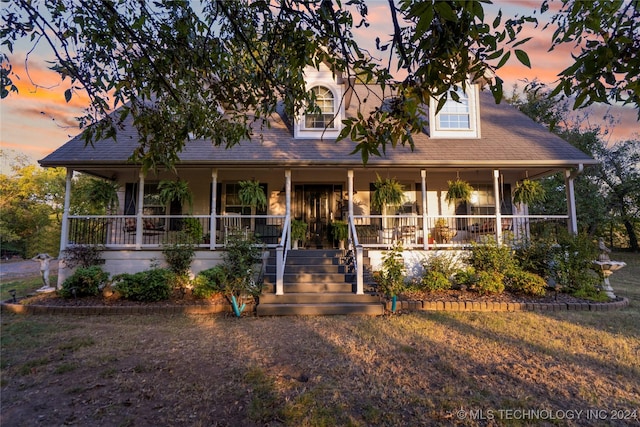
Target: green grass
407	369
22	287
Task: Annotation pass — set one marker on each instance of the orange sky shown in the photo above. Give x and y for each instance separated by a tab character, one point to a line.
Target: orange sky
38	120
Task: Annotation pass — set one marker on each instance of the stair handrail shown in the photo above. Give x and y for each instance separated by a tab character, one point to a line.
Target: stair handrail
281	254
356	248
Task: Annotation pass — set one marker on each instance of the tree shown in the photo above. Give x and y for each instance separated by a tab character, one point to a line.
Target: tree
31	205
608	194
607	34
182	70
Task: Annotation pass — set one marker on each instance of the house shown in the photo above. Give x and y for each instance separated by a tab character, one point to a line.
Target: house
309	176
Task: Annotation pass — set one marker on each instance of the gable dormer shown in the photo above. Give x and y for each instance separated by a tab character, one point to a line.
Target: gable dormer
457	119
328	93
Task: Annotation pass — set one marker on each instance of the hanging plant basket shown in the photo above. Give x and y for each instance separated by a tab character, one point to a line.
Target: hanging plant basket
388	193
458	190
252	194
528	192
175	190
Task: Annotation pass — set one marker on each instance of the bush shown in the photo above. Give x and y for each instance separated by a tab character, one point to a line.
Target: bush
465	277
209	282
525	282
242	257
488	256
390	278
489	282
147	286
535	256
179	255
86	281
83	256
434	281
572	260
441	262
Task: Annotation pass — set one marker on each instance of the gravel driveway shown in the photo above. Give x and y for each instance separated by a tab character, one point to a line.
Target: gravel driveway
16	269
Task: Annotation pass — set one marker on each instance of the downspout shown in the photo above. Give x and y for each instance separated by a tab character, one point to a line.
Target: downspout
64	232
570	176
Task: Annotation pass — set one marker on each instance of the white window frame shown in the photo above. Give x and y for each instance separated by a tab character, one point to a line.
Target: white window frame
323	78
473	131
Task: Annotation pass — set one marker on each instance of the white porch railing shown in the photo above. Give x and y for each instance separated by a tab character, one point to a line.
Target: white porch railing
378	231
365	231
153	231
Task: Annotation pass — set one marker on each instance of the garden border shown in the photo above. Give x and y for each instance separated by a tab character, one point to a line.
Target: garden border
16	308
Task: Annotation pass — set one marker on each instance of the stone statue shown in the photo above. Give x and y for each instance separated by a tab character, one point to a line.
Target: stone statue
604	251
44	260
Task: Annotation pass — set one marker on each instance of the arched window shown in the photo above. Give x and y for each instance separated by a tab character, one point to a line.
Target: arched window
325	101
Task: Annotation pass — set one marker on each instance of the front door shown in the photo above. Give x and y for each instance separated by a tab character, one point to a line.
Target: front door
316	205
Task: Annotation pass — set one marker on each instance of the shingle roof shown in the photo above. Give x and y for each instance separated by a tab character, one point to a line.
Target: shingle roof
508	138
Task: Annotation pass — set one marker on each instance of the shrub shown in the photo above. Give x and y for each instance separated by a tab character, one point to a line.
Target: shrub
489	282
441	262
241	258
572	259
83	256
209	282
179	255
147	286
466	277
86	281
434	281
525	282
535	256
488	256
390	278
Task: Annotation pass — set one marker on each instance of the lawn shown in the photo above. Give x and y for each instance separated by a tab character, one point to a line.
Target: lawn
424	368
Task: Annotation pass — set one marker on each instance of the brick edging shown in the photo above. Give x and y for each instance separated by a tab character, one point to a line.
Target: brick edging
507	306
7	307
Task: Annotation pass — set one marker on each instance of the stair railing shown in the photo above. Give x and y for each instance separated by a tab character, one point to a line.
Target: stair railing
281	255
356	248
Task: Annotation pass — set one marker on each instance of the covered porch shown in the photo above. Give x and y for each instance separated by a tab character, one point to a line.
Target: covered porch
319	197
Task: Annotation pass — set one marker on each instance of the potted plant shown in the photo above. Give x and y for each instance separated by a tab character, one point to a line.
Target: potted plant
252	194
388	193
441	232
528	191
298	232
340	232
458	190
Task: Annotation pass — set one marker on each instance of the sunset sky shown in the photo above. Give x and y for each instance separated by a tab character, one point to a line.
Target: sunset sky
38	120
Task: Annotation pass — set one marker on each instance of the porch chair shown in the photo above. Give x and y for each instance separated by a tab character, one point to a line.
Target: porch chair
232	223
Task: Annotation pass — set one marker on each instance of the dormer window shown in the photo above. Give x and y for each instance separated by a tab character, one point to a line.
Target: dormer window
457	118
455	114
324	120
325	101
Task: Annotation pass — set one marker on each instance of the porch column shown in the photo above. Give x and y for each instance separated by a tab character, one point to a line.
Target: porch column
496	191
64	232
139	224
214	202
287	186
350	191
569	177
358	249
425	226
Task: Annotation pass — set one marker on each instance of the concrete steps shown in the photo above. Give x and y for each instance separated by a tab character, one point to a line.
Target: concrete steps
316	282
